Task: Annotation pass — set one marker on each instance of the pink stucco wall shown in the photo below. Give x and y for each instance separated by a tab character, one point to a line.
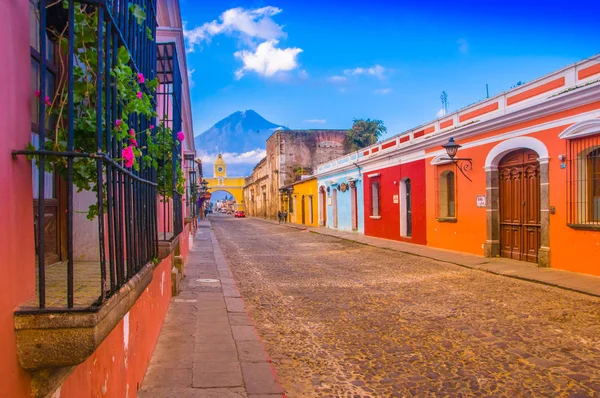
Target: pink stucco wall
16	211
117	368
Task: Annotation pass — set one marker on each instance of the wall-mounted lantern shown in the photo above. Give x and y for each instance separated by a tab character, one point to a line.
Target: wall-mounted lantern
463	164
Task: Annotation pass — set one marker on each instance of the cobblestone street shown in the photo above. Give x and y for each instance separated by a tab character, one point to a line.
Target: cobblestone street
344	319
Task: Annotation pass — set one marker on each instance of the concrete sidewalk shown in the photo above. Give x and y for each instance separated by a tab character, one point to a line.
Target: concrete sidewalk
208	345
581	283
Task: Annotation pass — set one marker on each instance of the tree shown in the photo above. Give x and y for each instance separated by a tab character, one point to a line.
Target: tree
364	132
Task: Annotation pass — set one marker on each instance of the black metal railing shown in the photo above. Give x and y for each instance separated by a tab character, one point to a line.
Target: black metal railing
191	191
125	204
169	111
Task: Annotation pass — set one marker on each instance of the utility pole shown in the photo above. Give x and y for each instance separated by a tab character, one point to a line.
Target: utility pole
444	98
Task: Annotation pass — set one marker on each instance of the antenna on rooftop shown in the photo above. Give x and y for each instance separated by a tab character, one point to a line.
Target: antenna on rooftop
444	98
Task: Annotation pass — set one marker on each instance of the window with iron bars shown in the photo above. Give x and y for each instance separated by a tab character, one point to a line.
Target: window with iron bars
583	180
81	145
192	185
171	182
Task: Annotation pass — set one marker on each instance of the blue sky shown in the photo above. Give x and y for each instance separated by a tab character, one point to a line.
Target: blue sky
319	64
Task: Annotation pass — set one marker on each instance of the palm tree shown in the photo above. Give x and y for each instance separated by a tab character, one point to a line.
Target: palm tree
364	132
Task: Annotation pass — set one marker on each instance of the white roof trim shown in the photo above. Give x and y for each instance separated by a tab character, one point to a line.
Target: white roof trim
581	129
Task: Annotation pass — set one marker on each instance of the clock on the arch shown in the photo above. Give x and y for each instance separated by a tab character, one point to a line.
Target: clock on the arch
220	169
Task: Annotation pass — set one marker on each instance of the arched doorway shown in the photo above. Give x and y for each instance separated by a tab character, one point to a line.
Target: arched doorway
493	244
519	205
335	209
323	206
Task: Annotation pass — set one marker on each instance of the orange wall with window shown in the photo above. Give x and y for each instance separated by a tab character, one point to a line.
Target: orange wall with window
570	249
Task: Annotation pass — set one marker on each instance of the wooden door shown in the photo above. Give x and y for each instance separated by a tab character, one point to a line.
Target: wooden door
54	246
303	217
519	185
354	206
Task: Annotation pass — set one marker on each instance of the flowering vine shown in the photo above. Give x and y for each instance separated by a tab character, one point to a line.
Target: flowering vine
135	98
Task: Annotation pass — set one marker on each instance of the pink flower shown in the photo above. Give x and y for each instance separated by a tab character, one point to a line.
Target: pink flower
141	78
37	93
132	132
128	157
47	100
140	95
180	136
133	142
118	122
151	126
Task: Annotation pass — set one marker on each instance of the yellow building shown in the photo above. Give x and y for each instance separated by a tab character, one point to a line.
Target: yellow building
300	201
232	185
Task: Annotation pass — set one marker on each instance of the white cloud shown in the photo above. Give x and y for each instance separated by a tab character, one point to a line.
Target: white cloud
267	60
250	157
377	71
440	113
191	82
383	91
321	121
337	79
463	46
248	24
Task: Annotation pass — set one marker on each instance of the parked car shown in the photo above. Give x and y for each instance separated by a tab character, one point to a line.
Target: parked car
240	214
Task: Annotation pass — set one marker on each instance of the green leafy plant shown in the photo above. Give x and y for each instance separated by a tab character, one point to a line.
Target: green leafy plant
135	98
364	132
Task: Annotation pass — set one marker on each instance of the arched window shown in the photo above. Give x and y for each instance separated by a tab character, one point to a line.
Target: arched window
447	195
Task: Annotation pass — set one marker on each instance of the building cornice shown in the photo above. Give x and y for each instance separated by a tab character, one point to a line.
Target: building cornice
568	100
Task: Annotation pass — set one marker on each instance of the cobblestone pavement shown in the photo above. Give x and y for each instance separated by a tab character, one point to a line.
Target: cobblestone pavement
343	319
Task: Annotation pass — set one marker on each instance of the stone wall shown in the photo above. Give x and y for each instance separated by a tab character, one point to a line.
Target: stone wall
290	153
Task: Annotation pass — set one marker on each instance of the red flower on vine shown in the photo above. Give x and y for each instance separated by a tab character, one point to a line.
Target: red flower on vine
128	156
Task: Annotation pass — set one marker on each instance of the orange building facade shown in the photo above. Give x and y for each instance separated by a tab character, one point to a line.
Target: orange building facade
525	181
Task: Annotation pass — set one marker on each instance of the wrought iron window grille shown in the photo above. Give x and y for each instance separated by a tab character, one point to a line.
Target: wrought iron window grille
125	198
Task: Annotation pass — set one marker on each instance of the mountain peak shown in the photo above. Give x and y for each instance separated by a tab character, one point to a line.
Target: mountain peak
240	132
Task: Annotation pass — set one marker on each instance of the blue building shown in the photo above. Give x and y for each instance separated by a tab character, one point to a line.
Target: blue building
341	194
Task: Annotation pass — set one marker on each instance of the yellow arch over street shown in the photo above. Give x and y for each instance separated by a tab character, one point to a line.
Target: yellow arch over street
232	185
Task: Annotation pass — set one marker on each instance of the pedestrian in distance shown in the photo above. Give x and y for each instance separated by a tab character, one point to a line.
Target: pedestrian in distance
279	216
285	216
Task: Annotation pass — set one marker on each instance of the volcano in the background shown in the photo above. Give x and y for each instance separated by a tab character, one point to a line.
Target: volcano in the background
239	132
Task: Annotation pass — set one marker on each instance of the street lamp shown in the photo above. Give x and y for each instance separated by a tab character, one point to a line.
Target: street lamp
451	148
463	164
